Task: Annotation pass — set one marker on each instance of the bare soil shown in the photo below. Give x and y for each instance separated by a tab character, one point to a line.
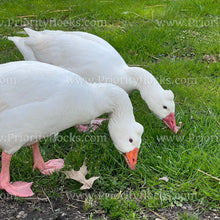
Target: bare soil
64	209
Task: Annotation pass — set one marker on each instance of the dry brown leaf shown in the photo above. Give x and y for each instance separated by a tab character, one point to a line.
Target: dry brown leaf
80	176
209	58
214	59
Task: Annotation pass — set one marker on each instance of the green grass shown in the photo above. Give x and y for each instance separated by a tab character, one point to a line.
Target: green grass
170	38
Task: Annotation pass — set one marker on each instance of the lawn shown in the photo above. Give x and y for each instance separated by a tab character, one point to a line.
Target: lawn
179	43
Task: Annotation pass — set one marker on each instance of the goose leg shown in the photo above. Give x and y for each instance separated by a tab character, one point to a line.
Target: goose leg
21	189
48	167
92	126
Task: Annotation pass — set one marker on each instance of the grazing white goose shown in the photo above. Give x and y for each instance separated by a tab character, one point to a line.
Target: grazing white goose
43	99
97	61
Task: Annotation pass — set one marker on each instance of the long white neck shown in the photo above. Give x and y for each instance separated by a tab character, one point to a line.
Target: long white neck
145	82
109	98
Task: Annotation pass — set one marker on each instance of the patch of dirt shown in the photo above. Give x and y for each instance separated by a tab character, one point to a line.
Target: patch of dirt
176	212
42	208
38	210
67	209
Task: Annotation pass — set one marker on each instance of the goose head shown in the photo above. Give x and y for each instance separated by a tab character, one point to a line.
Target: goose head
127	139
161	103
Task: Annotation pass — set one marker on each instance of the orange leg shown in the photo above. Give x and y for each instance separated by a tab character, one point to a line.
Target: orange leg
21	189
92	126
45	168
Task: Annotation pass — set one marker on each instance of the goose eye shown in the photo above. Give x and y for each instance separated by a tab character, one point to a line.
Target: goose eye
165	107
130	140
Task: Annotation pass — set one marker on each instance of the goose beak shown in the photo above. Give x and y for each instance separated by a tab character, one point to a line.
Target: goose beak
171	123
131	158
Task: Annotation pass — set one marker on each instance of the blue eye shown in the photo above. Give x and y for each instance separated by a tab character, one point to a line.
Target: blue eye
130	140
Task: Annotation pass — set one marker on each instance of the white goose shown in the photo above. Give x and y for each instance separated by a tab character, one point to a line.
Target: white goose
41	99
97	61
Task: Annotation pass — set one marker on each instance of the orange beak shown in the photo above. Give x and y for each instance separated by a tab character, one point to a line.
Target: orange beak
131	158
171	122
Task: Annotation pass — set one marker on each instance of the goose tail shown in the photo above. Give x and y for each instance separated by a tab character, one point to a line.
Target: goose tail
31	33
25	50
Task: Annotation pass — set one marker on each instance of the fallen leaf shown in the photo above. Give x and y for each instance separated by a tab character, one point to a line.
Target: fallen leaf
209	58
164	179
80	176
214	59
206	58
